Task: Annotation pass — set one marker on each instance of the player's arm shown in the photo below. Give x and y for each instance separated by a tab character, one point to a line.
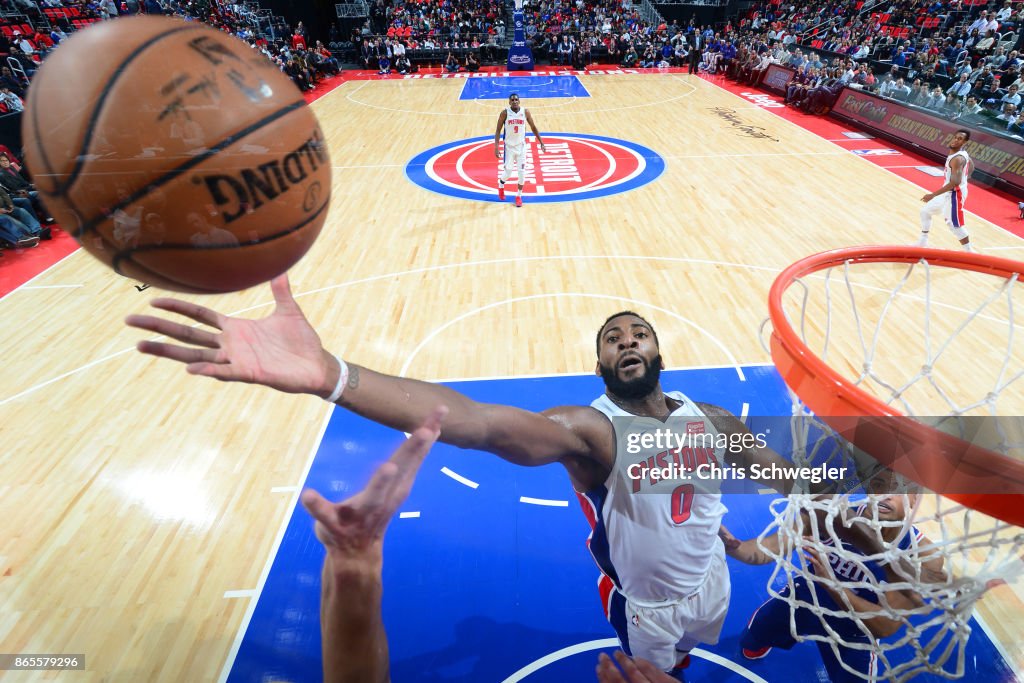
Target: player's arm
956	176
497	132
284	352
870	613
536	133
857	532
354	643
517	435
748	551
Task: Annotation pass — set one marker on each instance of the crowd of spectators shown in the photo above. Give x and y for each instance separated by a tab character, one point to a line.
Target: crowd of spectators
958	61
400	35
957	58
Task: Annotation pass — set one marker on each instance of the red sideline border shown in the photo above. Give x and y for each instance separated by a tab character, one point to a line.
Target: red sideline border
993	205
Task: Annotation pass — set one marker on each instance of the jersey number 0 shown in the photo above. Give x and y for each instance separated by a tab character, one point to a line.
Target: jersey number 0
682	501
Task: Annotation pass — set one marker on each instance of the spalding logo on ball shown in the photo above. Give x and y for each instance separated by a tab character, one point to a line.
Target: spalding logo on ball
177	154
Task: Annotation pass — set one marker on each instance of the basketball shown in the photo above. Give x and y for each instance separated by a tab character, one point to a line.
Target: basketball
177	154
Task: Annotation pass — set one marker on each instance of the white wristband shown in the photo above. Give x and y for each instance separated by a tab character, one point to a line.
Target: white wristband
342	380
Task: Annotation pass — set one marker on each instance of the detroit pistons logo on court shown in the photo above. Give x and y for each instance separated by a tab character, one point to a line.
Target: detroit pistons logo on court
575	167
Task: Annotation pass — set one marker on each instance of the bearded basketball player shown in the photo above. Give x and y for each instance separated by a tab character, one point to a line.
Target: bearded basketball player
664	584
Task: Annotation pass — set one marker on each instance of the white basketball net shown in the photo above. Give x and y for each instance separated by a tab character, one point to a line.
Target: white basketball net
942	319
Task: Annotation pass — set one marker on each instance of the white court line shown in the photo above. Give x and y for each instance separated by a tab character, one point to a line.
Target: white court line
557	295
574	112
408	515
562	654
561	102
284	489
66	374
415	271
364	166
514	85
247	593
664	156
997	643
744	411
40	274
765	154
459	478
244	625
858	156
473	264
606	643
544	501
50	286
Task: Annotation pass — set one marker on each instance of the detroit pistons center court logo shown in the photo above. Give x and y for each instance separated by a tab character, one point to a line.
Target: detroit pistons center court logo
575	167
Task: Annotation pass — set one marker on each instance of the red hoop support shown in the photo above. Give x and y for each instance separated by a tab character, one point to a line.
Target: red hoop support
936	460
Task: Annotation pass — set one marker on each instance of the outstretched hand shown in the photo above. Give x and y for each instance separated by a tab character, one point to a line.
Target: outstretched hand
633	671
353	530
281	351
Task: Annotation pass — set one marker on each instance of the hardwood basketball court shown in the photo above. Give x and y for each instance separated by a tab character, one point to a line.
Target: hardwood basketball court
140	505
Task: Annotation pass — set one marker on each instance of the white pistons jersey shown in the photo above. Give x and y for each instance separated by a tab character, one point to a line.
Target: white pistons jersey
656	538
515	127
963	178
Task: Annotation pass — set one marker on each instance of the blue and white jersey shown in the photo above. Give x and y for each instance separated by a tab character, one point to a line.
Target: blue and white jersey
852	572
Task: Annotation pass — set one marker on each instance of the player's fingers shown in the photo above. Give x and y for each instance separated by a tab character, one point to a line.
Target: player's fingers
183	333
318	507
375	500
198	313
651	672
324	514
629	667
225	372
410	455
182	354
412	452
282	291
607	672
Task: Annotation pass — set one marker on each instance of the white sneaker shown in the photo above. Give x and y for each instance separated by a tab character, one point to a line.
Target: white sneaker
922	241
969	247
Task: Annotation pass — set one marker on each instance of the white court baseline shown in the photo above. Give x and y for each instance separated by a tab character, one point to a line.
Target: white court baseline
606	643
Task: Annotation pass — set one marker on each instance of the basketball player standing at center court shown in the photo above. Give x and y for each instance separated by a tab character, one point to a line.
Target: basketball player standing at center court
949	199
514	120
664	585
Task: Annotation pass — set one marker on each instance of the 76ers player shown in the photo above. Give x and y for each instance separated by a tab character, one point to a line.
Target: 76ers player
949	199
769	626
514	119
665	581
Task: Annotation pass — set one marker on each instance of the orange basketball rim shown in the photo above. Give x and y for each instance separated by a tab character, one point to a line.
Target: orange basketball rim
938	461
